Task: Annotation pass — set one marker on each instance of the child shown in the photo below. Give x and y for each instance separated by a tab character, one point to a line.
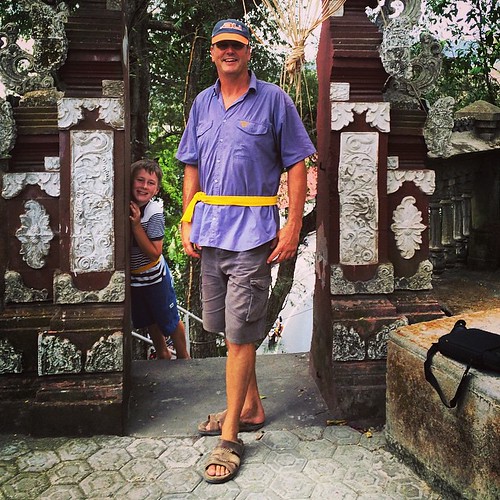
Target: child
154	304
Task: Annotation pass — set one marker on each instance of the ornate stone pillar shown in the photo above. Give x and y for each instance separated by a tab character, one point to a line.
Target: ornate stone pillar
65	320
435	245
372	237
447	232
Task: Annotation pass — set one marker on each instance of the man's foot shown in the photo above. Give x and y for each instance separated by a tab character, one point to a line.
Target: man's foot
224	461
213	425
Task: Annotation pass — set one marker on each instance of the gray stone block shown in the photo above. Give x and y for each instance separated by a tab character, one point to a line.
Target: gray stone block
456	449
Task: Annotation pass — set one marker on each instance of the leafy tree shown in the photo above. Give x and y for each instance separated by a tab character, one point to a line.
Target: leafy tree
471	51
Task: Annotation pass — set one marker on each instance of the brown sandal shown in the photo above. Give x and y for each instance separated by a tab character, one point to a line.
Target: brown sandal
227	454
213	425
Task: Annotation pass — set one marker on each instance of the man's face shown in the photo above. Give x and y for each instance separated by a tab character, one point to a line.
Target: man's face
230	58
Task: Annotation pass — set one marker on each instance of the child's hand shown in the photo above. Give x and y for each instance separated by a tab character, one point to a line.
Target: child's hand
135	214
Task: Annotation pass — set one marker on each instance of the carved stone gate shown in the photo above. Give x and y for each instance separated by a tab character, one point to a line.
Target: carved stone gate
373	272
63	157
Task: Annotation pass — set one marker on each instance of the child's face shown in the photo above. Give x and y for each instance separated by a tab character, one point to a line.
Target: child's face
144	187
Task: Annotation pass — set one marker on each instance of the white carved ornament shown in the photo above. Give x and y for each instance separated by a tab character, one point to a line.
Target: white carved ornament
70	111
340	91
377	114
92	191
358	179
14	183
34	234
423	179
407	227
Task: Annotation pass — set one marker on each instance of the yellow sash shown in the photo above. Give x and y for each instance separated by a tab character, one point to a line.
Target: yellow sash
242	201
145	267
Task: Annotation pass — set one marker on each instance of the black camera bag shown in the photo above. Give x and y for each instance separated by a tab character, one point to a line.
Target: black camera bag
474	347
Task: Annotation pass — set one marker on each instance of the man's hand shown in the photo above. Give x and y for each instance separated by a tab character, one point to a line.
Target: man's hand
287	239
191	249
285	244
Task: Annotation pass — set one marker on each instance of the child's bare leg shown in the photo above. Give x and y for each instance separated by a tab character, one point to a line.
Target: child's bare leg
179	338
159	342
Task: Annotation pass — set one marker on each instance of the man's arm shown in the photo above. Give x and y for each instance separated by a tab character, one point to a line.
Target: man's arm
190	187
287	239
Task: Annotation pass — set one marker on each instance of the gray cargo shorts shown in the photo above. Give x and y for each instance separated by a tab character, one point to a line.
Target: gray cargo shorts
235	292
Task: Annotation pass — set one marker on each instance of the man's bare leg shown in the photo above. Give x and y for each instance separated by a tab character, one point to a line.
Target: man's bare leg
253	411
240	366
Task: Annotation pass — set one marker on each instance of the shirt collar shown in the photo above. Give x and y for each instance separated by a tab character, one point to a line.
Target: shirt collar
252	86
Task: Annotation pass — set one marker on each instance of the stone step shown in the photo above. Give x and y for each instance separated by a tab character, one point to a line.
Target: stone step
172	397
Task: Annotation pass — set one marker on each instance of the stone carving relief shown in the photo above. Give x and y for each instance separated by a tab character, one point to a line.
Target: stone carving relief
111	111
34	234
57	355
407	227
392	162
106	355
65	291
21	71
421	280
52	163
377	344
383	282
414	65
7	127
339	91
439	127
92	191
10	359
113	88
422	73
377	114
14	183
347	344
358	198
387	10
17	291
423	179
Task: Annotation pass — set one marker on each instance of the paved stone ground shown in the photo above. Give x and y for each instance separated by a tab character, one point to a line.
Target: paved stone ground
295	456
335	462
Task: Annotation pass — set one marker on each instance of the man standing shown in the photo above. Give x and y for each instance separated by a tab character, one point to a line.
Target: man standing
241	134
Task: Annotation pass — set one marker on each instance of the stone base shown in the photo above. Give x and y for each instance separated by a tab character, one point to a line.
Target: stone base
456	449
348	353
36	398
50	406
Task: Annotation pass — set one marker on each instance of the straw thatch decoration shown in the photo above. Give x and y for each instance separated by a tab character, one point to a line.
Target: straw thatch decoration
296	20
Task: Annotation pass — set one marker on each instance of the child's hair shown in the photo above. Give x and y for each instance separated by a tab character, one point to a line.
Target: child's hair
150	166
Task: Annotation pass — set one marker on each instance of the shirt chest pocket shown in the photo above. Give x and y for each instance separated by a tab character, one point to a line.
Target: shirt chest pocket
251	138
252	128
203	132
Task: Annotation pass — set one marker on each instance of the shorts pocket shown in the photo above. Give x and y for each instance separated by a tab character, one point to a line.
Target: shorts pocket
259	295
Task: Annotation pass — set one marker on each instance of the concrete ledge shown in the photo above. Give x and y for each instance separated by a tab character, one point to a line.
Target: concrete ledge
456	450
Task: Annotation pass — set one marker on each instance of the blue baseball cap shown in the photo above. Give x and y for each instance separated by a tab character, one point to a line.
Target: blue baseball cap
230	29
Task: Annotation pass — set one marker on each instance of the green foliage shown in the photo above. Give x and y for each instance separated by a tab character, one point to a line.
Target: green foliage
172	59
471	51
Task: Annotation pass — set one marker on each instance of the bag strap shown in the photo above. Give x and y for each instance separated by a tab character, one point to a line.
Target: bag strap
429	376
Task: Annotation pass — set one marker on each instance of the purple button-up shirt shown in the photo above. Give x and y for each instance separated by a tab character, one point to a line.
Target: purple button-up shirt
241	151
